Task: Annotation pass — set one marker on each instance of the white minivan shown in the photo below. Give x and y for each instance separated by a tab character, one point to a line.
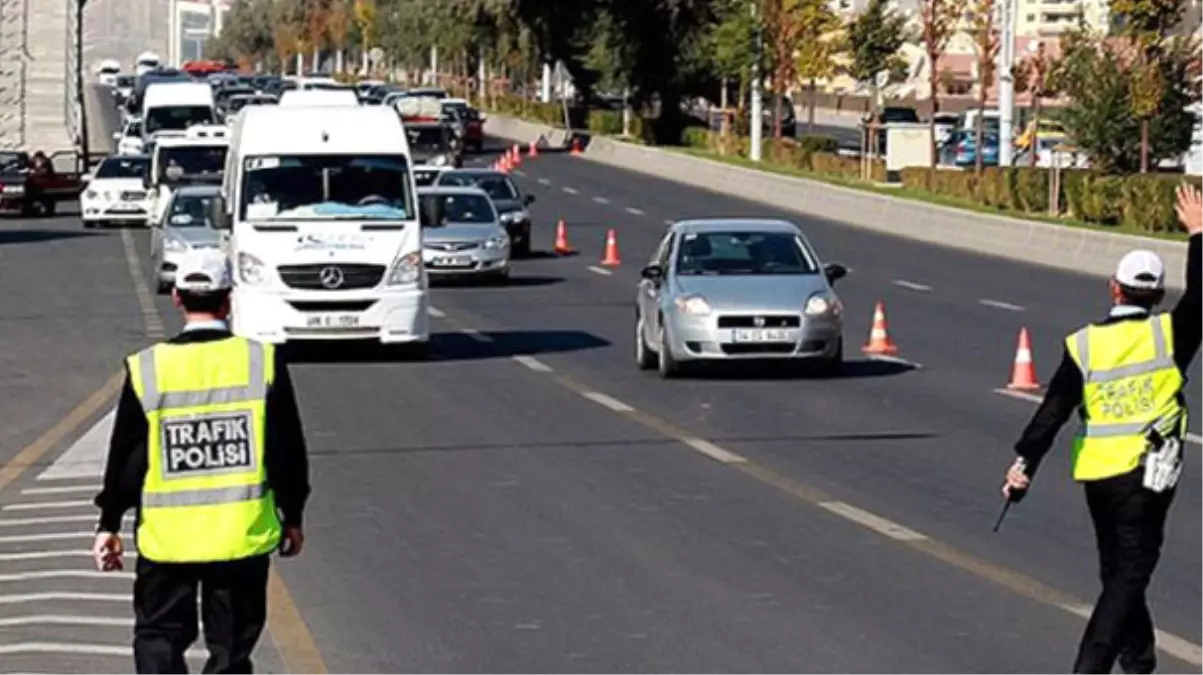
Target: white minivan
197	157
323	224
174	106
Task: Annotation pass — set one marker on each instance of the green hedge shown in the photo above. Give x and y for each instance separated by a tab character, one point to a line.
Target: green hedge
1143	202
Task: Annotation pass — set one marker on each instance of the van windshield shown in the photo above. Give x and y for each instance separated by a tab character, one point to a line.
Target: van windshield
191	163
326	187
177	117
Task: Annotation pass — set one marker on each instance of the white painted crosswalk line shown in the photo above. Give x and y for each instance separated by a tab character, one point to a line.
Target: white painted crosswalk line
37	575
61	489
85	457
39	506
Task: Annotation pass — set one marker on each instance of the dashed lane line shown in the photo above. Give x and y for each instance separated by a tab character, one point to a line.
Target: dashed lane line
36	506
84	649
21	598
634	211
50	555
887	358
911	285
544	181
571	191
601	200
150	314
1167	642
607	401
64	620
533	363
518	172
476	335
53	520
35	575
999	304
60	489
1030	397
46	536
1000	575
599	270
435	312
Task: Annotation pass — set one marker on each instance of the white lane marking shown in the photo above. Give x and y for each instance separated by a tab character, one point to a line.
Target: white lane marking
999	304
519	172
669	222
571	191
79	648
601	200
86	456
150	315
53	520
18	598
607	401
35	506
436	312
886	358
47	555
35	575
634	211
713	451
922	288
476	335
544	181
1028	396
873	521
46	536
64	620
599	270
1173	645
61	489
533	363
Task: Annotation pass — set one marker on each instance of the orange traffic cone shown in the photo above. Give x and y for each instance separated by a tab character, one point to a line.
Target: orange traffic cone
515	156
611	257
534	149
576	146
562	247
1023	373
879	336
504	164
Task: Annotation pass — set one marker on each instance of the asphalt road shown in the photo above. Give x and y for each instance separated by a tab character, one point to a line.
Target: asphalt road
527	501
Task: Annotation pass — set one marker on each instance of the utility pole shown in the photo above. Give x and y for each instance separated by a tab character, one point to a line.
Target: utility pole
756	114
1006	83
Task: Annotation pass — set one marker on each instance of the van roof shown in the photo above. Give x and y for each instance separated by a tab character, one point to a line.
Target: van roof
319	97
306	130
177	92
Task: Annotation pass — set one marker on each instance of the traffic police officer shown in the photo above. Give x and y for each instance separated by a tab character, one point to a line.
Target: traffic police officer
207	446
1126	373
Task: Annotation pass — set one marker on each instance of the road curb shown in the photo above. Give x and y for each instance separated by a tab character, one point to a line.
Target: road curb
1058	246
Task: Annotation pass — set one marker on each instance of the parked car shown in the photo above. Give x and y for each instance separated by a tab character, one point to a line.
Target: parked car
961	149
29	189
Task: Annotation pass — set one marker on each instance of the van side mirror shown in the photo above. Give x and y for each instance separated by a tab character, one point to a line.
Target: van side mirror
834	272
528	200
218	215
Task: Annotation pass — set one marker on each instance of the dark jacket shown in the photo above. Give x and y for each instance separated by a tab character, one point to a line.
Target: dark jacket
285	457
1065	389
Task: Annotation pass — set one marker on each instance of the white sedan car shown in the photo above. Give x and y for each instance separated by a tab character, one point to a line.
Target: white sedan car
116	193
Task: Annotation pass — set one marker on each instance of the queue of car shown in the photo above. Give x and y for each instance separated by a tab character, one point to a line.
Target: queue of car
338	213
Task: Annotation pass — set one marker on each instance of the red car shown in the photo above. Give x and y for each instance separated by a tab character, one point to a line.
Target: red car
28	191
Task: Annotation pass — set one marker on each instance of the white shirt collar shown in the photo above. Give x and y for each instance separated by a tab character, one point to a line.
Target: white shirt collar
1119	311
214	324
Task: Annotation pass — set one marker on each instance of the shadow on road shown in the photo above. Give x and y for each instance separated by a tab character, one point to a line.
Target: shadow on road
512	282
777	370
450	346
34	236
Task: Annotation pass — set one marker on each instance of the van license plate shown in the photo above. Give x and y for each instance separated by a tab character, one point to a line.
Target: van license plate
759	335
332	321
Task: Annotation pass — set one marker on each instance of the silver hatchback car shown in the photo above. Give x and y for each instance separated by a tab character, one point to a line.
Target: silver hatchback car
462	234
733	289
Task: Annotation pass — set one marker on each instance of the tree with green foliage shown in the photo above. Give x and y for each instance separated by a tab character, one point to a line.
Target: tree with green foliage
874	38
730	42
819	43
939	20
1032	74
986	43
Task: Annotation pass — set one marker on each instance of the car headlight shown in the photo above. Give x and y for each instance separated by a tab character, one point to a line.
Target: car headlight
694	305
14	189
406	270
251	270
91	194
438	160
173	245
498	242
515	216
822	305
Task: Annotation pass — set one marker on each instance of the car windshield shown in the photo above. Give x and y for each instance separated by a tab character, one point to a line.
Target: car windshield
499	188
743	253
133	129
899	115
190	211
13	161
326	187
177	117
191	162
125	81
443	209
123	168
428	139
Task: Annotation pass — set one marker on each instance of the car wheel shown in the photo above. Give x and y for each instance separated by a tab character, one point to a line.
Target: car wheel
522	247
162	287
668	366
501	278
645	358
49	208
89	224
834	364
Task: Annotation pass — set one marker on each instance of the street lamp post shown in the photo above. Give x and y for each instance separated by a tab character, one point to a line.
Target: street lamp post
756	114
1006	83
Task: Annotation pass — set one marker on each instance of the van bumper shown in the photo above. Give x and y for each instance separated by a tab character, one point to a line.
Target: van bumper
390	316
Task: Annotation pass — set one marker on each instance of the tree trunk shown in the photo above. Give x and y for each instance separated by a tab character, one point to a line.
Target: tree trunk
979	156
1144	145
810	109
1034	146
933	59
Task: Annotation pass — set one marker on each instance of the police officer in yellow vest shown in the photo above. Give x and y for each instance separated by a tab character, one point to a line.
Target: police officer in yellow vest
207	446
1126	375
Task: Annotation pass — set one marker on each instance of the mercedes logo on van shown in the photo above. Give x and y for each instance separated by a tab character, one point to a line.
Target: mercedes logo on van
330	277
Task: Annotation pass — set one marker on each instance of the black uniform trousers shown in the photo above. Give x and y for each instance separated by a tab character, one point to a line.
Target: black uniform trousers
233	608
1129	526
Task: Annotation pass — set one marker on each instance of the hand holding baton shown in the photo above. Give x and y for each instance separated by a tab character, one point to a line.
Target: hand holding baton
1019	479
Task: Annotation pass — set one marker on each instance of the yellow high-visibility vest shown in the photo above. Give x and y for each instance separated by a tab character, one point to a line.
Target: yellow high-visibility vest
1131	385
205	497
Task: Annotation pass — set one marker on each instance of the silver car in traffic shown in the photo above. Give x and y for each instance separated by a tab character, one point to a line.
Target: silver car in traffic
732	289
185	226
462	234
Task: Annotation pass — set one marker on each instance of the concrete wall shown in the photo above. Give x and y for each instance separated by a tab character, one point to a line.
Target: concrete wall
33	66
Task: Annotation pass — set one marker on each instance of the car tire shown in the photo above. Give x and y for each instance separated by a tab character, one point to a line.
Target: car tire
833	365
49	207
89	224
667	366
500	278
522	249
645	358
162	287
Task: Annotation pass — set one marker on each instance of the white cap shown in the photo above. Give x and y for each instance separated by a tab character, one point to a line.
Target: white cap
204	271
1141	269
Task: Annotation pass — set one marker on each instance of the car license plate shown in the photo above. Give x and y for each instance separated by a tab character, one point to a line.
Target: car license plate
760	335
332	321
453	261
125	207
